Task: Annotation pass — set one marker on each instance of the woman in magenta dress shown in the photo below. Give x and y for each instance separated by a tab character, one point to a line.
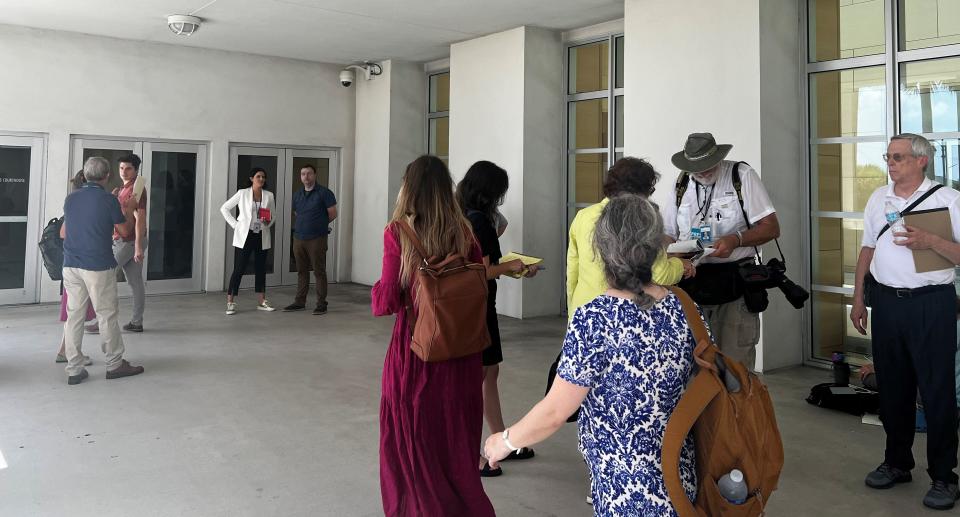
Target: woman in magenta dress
431	414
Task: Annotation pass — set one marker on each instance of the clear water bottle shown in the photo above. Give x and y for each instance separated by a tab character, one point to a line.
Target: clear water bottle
894	220
733	487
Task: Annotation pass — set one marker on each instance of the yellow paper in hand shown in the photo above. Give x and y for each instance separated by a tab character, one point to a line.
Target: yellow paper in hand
526	259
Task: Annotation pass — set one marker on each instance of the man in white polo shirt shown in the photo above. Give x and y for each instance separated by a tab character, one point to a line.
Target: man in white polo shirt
914	321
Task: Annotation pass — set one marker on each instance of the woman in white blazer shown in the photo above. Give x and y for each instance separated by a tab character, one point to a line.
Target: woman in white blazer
251	236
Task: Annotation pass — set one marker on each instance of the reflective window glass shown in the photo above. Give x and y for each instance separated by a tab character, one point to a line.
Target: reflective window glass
847	174
588	171
836	248
832	329
112	156
14	197
841	29
946	162
930	96
848	103
618	126
587	124
588	67
929	23
440	136
440	92
619	71
173	190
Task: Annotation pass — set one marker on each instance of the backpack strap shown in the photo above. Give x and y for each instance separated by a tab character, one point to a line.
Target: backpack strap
412	235
696	397
683	181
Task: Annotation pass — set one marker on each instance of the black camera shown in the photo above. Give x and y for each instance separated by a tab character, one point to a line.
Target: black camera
773	274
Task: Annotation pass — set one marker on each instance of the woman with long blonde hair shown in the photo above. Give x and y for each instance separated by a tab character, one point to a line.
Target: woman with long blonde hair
431	414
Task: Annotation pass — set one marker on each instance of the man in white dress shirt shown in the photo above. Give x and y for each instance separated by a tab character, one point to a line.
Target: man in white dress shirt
913	323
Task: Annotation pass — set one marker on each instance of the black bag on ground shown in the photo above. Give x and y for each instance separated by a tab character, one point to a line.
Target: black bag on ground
857	403
552	374
51	248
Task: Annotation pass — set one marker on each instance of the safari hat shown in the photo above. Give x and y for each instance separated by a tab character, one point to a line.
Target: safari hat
700	153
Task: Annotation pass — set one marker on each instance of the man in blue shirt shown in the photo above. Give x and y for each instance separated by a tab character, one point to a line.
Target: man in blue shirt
314	208
89	271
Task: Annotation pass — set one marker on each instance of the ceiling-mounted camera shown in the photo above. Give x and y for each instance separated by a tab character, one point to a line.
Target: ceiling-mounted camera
369	69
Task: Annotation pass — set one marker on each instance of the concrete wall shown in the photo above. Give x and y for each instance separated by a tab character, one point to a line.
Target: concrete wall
391	120
738	79
65	84
505	106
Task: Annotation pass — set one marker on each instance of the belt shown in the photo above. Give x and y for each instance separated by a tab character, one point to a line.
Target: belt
903	292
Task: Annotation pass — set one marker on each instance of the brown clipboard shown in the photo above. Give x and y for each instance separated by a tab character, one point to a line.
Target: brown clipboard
937	222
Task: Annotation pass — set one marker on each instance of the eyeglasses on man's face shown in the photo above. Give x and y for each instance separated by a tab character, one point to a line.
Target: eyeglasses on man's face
897	157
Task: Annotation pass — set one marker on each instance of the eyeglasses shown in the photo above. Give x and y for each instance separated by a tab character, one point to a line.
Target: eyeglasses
897	157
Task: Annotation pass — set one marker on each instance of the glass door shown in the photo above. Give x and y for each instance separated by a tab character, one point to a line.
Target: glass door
20	170
325	163
174	175
242	161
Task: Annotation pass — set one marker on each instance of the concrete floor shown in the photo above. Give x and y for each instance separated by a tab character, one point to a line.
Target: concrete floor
265	414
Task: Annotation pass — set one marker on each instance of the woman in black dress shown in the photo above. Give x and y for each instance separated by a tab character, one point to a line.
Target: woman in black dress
479	193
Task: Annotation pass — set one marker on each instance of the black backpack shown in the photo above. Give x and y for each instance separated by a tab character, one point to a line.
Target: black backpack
51	248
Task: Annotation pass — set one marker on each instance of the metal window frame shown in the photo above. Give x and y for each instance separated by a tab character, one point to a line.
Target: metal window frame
436	114
891	59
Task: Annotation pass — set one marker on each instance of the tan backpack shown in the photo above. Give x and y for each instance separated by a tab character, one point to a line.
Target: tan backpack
731	430
451	295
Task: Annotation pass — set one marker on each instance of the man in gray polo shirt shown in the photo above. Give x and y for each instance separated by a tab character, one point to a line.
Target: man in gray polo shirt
89	271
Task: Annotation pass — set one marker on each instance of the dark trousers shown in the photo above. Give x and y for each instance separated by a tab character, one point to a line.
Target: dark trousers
311	254
914	343
252	246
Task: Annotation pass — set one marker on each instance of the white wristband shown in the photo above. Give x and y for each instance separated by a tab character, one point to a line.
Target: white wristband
506	440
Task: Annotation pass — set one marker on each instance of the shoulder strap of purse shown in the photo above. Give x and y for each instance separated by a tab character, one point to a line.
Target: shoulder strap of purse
911	207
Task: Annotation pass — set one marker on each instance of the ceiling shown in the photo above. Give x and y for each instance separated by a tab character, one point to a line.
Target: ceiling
330	31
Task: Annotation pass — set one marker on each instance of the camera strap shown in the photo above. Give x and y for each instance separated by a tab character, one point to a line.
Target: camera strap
738	186
913	205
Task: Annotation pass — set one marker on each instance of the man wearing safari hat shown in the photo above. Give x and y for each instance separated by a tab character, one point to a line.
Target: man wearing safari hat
707	207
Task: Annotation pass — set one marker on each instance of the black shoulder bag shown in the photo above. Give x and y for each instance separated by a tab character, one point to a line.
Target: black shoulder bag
869	282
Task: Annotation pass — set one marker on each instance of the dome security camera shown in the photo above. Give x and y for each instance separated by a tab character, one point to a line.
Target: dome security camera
346	78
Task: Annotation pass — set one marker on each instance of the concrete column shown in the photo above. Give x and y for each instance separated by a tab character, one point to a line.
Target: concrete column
506	101
730	67
389	134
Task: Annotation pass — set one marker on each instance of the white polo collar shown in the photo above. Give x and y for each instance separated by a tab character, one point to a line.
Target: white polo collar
925	185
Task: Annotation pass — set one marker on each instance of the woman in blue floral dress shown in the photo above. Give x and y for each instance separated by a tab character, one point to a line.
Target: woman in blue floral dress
627	357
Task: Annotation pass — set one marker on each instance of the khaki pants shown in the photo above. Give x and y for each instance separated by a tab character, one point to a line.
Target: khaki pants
311	254
123	252
735	330
100	288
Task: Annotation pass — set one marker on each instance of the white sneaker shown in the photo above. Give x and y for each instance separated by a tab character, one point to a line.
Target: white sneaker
265	306
231	308
590	500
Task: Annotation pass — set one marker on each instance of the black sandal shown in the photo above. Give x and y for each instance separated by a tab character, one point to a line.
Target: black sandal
525	453
487	472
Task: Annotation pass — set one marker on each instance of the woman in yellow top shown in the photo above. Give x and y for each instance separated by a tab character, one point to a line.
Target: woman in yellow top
585	280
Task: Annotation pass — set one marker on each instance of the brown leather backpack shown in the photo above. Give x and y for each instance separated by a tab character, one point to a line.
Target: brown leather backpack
451	297
732	429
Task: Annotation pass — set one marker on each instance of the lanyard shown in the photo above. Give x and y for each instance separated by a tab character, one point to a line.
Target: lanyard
705	207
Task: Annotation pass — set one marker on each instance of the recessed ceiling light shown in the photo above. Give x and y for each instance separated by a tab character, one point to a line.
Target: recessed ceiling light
183	24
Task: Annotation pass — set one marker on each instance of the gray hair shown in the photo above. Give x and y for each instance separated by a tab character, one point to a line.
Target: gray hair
919	146
96	168
628	238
